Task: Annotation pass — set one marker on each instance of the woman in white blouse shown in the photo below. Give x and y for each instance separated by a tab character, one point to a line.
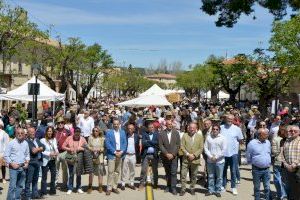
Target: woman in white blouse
4	139
49	159
214	147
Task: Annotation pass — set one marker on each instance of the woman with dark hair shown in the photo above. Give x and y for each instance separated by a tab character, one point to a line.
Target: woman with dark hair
74	145
49	159
96	146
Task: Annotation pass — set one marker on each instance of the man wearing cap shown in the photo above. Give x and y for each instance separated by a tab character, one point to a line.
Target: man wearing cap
61	135
169	145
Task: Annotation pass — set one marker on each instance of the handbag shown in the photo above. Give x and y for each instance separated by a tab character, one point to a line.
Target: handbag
71	159
96	159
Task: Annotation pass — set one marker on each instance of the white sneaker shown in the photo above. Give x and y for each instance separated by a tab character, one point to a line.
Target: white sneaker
40	179
3	181
238	182
234	191
223	189
80	191
69	192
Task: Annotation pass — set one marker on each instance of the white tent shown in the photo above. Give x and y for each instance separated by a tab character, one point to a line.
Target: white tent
174	91
21	93
145	101
154	90
221	95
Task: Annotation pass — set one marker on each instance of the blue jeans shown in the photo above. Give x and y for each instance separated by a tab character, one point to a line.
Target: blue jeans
279	184
236	159
32	176
71	178
229	161
16	183
215	176
258	176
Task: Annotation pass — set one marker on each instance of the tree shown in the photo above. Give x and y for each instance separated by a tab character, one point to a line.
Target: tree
83	74
285	43
15	30
231	74
267	79
229	11
200	78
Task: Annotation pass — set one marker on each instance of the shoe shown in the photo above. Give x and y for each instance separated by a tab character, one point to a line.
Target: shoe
100	189
174	192
218	195
238	182
122	187
69	192
40	179
208	194
108	192
234	191
131	187
4	181
80	191
182	192
141	187
192	191
223	189
115	191
167	190
90	189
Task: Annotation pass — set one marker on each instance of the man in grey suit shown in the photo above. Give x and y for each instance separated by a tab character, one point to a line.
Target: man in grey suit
169	144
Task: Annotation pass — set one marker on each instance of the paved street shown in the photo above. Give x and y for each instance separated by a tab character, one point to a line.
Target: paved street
245	190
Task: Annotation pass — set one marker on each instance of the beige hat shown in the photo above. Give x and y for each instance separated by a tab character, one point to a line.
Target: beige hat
60	119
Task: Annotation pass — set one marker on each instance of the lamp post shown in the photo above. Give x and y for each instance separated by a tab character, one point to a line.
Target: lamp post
35	91
276	70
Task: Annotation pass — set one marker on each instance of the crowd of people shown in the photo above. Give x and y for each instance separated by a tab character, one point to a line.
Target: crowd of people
112	141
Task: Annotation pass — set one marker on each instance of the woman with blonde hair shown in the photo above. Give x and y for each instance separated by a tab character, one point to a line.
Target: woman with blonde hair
96	145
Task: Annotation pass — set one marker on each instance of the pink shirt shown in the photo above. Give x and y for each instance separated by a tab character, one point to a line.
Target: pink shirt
70	144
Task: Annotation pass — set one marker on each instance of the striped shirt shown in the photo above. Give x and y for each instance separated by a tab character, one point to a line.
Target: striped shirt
291	151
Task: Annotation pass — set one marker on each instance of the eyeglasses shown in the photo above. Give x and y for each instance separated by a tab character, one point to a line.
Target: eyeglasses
295	131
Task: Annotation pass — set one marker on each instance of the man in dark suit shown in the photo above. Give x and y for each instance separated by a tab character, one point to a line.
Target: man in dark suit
36	159
169	144
149	154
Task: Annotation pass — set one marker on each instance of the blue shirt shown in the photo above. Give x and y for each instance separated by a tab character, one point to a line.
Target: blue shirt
232	134
17	152
259	153
150	149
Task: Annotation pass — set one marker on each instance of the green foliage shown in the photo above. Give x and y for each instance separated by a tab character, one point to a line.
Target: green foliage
15	30
285	43
129	81
229	11
23	113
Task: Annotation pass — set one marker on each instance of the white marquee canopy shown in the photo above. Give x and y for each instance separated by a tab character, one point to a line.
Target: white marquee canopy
21	93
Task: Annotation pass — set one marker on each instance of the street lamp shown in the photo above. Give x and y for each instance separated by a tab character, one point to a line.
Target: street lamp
34	90
277	71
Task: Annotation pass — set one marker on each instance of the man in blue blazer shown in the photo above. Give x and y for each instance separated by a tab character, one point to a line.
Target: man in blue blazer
116	144
149	154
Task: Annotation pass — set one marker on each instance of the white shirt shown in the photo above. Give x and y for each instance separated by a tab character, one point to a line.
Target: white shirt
215	147
232	134
4	139
117	138
131	146
86	126
169	136
274	129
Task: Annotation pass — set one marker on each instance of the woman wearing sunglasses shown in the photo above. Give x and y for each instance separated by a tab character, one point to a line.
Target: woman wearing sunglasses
214	148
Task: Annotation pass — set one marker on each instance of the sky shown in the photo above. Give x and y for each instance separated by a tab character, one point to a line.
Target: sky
145	32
